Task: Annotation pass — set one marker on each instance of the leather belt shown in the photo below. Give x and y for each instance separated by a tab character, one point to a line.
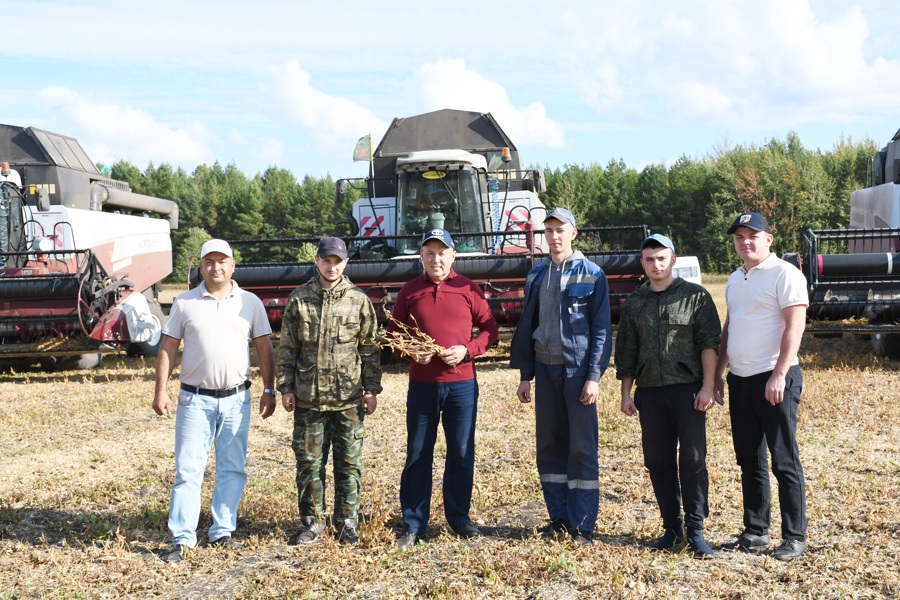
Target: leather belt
216	393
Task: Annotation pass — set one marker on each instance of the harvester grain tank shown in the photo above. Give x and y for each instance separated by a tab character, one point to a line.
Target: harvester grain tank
81	256
453	170
854	274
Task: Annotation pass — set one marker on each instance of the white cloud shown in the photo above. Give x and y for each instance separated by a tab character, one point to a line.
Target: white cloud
334	123
773	63
450	84
128	133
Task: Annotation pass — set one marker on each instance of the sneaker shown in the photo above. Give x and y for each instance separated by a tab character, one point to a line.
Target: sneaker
348	535
700	548
175	554
790	549
668	540
582	538
747	542
309	532
226	541
407	540
466	531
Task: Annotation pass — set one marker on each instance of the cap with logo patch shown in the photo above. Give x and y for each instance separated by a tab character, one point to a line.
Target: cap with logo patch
754	221
332	246
439	234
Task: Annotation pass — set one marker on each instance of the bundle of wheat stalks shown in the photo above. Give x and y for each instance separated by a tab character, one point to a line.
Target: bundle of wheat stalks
406	340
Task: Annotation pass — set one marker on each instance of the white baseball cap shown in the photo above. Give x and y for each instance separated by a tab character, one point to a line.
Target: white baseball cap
216	246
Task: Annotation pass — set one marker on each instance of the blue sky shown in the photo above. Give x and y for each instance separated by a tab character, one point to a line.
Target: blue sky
295	84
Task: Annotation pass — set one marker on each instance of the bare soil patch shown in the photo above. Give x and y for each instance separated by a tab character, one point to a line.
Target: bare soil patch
87	468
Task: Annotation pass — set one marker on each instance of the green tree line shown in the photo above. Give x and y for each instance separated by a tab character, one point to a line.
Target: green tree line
692	200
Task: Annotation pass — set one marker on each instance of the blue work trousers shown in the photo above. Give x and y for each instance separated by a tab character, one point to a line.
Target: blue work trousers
427	404
567	439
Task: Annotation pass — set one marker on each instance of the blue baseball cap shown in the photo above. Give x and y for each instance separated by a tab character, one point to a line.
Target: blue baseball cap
754	221
561	214
439	234
658	239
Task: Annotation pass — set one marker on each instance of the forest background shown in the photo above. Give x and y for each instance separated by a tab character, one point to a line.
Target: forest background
692	200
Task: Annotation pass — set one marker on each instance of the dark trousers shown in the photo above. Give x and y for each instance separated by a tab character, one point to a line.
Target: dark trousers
673	436
757	426
427	404
567	438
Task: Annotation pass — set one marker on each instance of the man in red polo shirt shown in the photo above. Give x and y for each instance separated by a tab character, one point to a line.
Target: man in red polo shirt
446	306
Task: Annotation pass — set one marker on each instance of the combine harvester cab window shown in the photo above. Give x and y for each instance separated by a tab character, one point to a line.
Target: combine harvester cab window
450	200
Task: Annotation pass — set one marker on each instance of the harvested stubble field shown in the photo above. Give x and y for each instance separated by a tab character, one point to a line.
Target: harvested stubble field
87	468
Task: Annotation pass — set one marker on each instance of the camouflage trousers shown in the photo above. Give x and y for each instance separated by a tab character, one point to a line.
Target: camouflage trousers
314	433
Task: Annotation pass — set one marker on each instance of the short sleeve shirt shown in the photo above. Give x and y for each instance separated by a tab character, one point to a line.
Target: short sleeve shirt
216	334
755	299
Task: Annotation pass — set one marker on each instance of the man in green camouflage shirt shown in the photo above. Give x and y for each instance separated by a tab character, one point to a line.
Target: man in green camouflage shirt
667	342
329	375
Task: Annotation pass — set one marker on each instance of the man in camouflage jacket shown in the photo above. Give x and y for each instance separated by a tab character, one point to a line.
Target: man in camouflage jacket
667	342
329	375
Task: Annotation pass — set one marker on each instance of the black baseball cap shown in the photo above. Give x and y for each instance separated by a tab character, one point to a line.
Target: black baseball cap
332	246
754	221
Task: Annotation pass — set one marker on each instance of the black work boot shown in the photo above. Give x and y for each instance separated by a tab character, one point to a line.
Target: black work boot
668	540
698	544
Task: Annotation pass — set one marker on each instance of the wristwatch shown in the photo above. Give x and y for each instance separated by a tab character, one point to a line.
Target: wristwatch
269	391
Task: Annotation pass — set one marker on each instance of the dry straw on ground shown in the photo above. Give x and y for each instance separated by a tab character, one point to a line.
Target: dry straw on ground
87	469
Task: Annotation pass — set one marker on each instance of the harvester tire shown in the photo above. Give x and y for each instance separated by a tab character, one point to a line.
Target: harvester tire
150	348
886	344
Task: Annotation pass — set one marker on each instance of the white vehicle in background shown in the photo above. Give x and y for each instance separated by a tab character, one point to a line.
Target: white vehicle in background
688	268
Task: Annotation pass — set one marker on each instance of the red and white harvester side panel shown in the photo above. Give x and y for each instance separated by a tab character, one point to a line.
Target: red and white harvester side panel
81	256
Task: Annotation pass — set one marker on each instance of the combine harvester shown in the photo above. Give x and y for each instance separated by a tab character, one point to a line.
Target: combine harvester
81	258
453	170
854	274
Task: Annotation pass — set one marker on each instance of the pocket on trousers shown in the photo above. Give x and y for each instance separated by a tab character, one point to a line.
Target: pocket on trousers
185	398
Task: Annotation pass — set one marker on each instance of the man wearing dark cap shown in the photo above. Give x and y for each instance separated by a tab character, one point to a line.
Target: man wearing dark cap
667	342
215	320
329	375
767	300
442	386
563	342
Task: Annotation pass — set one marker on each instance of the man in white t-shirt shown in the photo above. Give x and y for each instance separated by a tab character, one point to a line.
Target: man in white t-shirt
216	320
766	299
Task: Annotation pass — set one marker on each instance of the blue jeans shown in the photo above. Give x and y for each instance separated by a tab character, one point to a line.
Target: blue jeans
566	433
201	421
456	403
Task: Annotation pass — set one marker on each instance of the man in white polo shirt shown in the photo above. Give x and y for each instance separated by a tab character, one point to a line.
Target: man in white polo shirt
766	300
215	320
